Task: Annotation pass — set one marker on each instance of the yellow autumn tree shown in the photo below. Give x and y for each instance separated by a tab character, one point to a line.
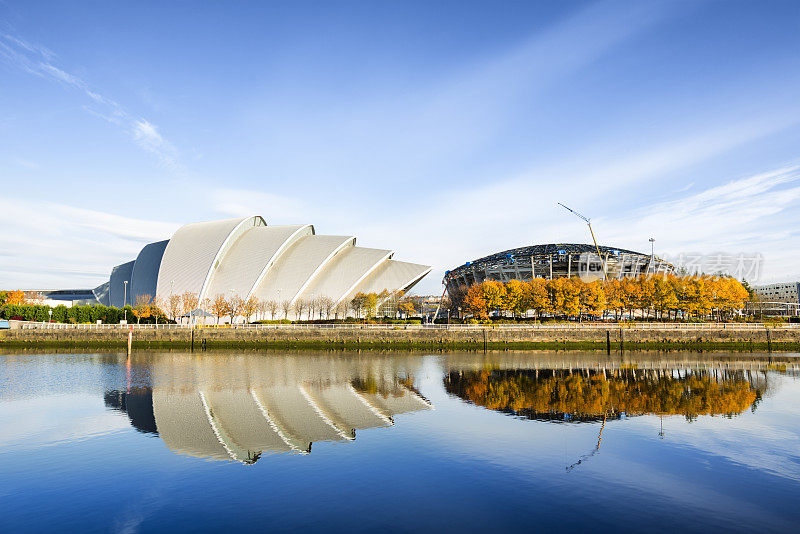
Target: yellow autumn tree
475	303
515	297
142	307
494	294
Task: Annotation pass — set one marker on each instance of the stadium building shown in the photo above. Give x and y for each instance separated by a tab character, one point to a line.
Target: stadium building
247	258
555	261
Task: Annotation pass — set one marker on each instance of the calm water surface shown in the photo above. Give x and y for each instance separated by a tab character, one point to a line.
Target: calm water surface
398	442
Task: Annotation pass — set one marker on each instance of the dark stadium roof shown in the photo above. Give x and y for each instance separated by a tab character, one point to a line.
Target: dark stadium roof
551	248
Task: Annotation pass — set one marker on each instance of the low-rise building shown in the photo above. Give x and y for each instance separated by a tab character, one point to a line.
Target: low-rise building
782	298
781	292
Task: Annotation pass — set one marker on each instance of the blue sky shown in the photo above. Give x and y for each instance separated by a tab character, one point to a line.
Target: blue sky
443	130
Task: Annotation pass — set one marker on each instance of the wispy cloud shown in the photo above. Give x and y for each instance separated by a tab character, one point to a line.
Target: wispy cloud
147	136
755	214
40	61
73	246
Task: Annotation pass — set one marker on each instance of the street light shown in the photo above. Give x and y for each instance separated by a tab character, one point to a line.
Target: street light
125	300
50	313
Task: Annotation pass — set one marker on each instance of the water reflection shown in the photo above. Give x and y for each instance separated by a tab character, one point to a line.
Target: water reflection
584	395
239	408
93	437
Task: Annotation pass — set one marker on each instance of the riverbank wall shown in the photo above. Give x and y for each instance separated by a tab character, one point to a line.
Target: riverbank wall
595	337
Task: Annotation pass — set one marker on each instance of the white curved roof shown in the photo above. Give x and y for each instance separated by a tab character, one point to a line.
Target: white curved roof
251	256
194	252
245	257
392	276
344	272
296	267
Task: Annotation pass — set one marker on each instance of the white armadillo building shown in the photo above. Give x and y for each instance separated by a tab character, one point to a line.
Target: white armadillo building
247	258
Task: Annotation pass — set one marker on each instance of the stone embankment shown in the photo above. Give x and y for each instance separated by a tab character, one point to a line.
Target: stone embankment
738	337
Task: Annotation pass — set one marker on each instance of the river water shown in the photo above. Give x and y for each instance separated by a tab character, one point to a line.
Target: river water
249	441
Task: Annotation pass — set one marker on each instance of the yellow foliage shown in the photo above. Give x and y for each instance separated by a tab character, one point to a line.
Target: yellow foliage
657	296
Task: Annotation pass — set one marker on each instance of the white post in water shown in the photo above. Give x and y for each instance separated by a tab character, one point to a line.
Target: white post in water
130	338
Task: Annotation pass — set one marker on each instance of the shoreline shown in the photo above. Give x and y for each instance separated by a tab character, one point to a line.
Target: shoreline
613	338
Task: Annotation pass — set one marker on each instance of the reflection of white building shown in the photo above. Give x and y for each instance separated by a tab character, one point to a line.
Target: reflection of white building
233	408
246	258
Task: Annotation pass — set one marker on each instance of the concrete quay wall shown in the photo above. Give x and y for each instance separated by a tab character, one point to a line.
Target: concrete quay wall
612	337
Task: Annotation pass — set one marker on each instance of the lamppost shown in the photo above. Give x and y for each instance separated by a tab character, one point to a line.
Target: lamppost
652	253
125	300
50	313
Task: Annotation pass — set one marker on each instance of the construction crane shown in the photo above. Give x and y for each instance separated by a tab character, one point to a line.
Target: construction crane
596	447
589	223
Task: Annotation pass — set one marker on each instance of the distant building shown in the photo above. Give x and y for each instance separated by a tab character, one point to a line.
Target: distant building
426	305
783	292
560	260
61	297
778	299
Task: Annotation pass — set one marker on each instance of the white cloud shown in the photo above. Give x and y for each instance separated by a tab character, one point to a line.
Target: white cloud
147	136
757	214
58	246
37	60
750	215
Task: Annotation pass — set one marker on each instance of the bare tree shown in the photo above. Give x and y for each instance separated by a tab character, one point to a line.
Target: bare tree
235	307
312	304
272	307
298	307
286	305
357	303
157	307
341	308
325	305
262	309
174	306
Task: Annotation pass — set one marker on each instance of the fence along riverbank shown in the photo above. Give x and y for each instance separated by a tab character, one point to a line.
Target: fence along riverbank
743	337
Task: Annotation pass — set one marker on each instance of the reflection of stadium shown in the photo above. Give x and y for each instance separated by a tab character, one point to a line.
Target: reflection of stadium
238	409
581	395
554	261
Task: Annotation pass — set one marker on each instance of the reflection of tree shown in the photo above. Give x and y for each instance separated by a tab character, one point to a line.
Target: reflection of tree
587	395
377	386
